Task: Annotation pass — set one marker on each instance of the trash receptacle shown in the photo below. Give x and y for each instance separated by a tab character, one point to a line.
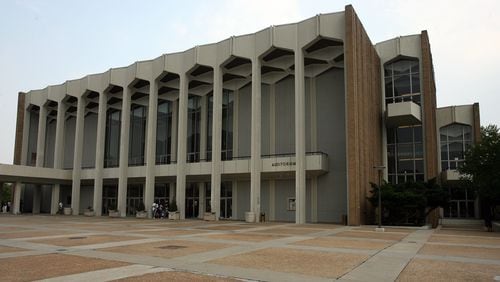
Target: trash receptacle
249	217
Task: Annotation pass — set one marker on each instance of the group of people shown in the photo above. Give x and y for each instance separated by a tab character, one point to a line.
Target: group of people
159	210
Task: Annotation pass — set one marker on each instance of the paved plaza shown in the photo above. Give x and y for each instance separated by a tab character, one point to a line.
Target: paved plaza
77	248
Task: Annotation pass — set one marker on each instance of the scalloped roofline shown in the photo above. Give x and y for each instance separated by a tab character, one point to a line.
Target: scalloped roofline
185	51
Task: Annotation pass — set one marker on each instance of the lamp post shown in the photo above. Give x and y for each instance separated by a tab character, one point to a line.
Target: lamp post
379	169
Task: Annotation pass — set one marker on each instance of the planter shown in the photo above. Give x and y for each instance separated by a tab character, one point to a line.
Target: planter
67	211
249	216
174	215
88	213
141	214
209	216
113	213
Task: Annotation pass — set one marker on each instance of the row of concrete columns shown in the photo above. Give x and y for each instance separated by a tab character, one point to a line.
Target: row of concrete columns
181	144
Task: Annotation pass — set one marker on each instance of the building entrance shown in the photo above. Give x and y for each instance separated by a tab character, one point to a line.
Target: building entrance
462	202
192	200
226	200
135	194
109	194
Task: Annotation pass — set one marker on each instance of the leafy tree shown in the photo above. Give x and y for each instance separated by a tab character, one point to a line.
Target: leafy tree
6	193
408	203
482	168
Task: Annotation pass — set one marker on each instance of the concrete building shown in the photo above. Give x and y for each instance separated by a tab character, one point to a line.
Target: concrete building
289	121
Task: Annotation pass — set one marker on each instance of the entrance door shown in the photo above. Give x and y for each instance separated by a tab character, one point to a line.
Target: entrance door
226	200
461	204
109	193
135	194
192	200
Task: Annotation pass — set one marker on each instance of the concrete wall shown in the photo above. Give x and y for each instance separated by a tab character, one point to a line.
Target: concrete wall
244	121
284	189
332	187
285	116
243	200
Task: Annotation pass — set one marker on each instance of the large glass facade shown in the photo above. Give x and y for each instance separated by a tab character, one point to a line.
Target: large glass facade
402	81
112	143
194	120
137	135
455	140
164	133
405	154
227	125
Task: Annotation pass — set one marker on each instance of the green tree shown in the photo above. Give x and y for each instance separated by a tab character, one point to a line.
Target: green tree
6	193
408	203
482	168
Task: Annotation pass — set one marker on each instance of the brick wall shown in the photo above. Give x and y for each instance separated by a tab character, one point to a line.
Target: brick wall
364	116
18	146
477	123
429	110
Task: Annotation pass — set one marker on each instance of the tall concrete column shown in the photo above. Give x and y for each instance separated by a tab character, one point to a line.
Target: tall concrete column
42	129
201	200
58	154
77	159
16	205
181	146
203	127
124	144
300	139
37	192
149	193
216	143
54	199
236	106
99	152
25	159
175	120
59	140
255	161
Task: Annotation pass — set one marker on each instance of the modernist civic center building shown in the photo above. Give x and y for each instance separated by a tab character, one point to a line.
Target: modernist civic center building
290	121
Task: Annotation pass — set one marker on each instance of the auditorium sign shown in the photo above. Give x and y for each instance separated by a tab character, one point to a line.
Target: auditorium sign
283	164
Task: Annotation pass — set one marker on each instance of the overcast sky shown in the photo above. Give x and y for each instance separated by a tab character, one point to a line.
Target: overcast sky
48	42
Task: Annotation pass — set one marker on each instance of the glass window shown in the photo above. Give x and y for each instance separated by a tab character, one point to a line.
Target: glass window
164	133
402	81
112	143
137	135
405	154
455	140
194	122
404	134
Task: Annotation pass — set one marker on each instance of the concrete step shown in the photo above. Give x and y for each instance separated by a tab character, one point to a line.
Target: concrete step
461	222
